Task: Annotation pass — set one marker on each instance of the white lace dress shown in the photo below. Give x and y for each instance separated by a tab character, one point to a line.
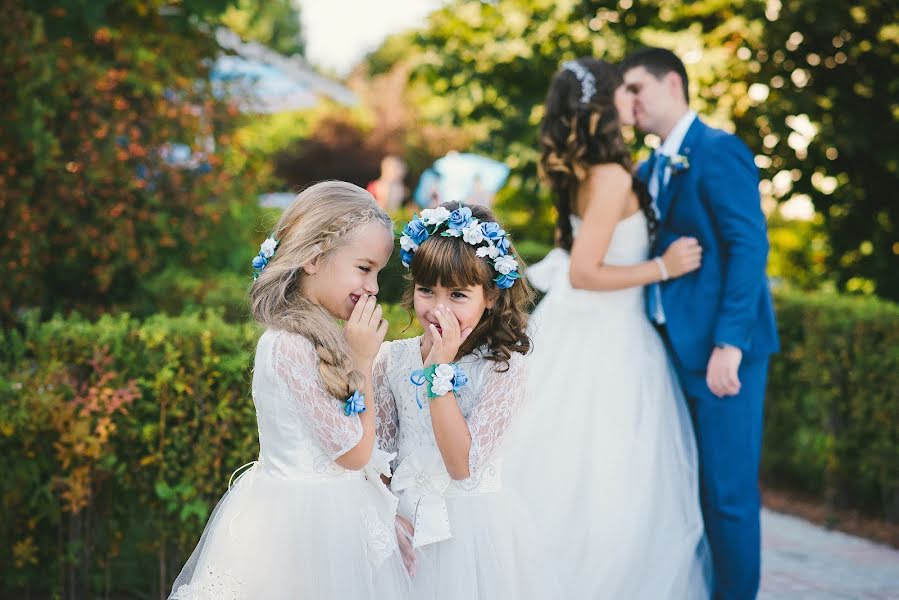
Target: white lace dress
603	452
474	538
296	524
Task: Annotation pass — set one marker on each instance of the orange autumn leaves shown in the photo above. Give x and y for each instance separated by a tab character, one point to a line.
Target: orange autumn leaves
91	202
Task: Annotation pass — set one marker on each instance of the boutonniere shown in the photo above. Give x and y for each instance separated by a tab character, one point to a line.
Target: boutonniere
679	163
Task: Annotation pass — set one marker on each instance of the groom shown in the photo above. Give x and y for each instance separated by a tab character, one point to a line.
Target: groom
718	321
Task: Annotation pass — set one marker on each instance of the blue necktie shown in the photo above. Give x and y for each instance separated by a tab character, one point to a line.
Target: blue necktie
650	165
654	293
661	165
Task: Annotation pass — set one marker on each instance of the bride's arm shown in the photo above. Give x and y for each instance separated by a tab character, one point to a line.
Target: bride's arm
609	188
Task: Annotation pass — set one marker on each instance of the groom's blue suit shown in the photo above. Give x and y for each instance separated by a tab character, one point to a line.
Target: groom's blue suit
716	200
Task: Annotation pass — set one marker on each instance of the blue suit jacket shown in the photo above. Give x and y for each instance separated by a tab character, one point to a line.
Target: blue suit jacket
716	200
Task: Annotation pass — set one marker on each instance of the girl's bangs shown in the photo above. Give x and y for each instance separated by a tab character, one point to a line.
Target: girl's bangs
448	262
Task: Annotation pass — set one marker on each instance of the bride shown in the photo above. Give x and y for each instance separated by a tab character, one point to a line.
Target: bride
604	453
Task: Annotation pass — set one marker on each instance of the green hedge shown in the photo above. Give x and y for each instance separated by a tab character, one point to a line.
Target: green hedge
120	435
832	415
123	434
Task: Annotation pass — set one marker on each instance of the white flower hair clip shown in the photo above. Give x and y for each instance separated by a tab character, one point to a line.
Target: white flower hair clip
266	252
584	77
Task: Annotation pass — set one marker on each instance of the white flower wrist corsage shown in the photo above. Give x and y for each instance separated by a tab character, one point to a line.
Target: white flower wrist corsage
440	379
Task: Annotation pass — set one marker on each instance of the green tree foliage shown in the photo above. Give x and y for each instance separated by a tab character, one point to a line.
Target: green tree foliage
274	23
94	94
485	67
825	118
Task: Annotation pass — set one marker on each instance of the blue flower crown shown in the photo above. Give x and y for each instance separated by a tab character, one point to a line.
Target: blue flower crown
489	239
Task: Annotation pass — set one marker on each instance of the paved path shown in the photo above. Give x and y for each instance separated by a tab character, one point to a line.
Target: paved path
801	561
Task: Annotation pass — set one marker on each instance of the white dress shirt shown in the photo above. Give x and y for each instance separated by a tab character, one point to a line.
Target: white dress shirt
670	146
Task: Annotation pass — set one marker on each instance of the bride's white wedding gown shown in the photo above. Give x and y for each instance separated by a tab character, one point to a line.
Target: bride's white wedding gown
604	453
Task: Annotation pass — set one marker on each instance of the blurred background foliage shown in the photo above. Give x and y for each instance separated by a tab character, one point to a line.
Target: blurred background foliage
96	92
273	23
810	86
95	198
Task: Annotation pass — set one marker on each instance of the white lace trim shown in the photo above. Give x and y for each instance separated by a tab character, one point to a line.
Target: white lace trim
499	398
379	537
213	584
296	364
488	402
387	418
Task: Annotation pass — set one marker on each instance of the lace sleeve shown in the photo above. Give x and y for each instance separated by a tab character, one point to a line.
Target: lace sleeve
386	418
501	396
296	367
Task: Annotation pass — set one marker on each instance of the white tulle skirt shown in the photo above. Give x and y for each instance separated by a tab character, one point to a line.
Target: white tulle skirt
604	453
274	538
494	554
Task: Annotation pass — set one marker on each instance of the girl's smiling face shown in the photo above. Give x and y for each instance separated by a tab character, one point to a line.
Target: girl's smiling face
337	283
467	304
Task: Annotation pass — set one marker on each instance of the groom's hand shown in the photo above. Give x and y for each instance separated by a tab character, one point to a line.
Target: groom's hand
721	376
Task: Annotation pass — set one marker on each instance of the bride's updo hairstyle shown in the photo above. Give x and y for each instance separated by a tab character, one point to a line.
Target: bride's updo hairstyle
452	262
315	225
580	129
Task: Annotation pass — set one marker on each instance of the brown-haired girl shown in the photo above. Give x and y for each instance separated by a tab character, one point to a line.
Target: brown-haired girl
446	400
311	518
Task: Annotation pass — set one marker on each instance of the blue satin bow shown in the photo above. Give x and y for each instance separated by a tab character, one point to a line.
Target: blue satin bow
418	379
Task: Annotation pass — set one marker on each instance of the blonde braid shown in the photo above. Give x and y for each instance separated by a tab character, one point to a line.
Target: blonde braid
315	225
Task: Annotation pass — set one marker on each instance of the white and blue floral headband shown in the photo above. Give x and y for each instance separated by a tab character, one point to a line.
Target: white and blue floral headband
266	253
584	77
488	237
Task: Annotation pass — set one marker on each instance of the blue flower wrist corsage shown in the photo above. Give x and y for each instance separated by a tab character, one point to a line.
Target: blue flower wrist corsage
440	380
355	404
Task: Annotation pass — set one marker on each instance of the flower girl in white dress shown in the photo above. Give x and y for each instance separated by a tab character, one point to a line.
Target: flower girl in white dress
311	518
445	401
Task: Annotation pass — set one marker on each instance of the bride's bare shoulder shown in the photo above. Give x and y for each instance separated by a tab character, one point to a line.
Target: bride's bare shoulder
609	173
609	185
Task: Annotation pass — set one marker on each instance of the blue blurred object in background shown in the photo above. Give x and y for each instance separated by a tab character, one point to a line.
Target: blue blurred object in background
461	177
264	81
427	193
260	87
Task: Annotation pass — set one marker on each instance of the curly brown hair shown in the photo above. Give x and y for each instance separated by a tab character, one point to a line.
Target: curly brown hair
576	135
451	262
